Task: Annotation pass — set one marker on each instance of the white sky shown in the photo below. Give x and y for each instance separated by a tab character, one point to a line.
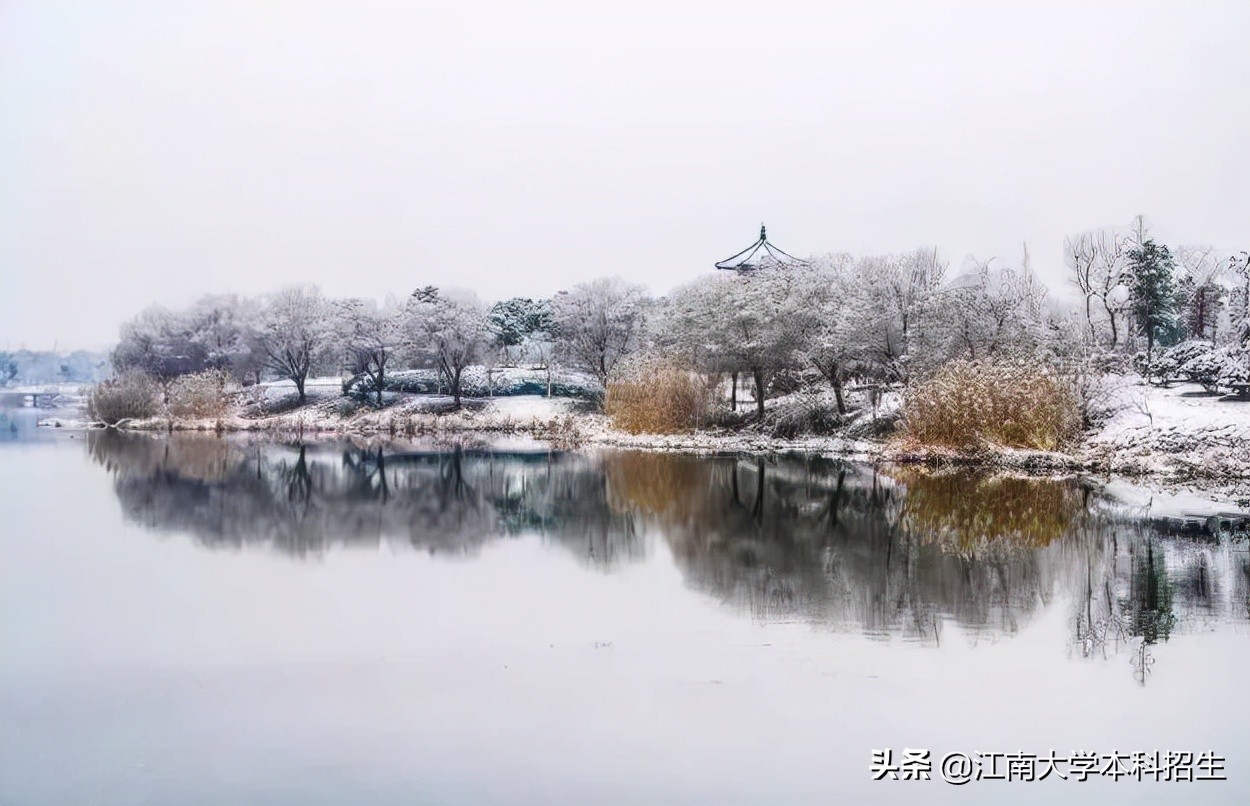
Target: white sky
154	151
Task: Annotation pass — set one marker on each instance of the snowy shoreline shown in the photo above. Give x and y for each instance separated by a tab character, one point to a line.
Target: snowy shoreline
1175	433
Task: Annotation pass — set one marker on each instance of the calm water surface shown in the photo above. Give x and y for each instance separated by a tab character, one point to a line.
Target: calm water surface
204	621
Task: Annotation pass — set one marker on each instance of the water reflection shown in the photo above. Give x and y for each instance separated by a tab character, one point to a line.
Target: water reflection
891	553
306	499
19	423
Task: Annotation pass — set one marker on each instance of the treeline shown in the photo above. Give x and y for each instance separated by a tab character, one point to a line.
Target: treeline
47	366
298	333
875	322
1137	295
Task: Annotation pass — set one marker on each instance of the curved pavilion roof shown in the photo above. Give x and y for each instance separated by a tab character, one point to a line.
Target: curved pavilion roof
759	255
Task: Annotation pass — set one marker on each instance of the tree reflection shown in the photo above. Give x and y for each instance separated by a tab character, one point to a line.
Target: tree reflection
905	551
896	552
305	499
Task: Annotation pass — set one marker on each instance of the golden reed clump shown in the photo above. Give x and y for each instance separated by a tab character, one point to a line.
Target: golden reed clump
657	396
968	405
202	394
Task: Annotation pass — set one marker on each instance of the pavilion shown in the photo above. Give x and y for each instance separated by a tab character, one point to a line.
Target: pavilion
759	255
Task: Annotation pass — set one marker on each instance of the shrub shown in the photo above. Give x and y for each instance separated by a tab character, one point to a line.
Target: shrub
1234	371
968	405
131	395
1110	362
202	394
804	414
657	397
1197	361
1096	392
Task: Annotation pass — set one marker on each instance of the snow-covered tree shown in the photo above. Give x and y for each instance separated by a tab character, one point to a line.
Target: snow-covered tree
216	332
598	324
521	328
841	315
1200	289
1234	372
1195	360
752	323
894	296
446	330
160	343
990	310
8	368
1153	293
1098	260
1239	267
295	334
225	327
368	337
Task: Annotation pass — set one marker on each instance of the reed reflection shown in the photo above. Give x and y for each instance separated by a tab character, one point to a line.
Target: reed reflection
896	552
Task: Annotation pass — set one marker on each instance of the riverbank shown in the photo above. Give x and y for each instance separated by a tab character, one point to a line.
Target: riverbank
1177	433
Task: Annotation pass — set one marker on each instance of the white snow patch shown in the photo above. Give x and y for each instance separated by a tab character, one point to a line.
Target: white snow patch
530	407
1175	430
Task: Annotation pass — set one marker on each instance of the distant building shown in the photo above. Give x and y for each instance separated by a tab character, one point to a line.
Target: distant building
759	255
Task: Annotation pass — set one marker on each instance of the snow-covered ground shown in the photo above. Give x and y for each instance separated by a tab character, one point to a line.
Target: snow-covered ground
1174	431
1177	433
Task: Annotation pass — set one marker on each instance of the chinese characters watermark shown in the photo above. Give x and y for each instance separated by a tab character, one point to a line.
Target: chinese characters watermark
913	764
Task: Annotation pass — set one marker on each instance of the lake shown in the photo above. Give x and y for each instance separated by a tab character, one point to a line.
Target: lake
220	621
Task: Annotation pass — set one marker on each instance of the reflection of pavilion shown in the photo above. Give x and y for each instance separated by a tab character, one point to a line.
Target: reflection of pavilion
759	255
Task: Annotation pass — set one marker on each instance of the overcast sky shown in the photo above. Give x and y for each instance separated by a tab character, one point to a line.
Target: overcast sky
155	151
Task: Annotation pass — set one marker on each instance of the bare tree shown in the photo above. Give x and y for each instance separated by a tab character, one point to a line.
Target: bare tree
368	336
1104	254
295	333
893	297
1081	257
1201	291
992	309
598	324
449	331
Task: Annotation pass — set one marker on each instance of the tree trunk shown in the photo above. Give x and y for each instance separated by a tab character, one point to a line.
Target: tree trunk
1115	334
733	391
378	384
759	392
455	388
758	509
835	501
299	387
837	390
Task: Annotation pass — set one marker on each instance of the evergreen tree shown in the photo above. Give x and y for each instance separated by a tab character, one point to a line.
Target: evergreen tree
1153	293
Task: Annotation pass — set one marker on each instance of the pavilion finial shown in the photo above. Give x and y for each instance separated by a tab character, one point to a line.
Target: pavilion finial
763	233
